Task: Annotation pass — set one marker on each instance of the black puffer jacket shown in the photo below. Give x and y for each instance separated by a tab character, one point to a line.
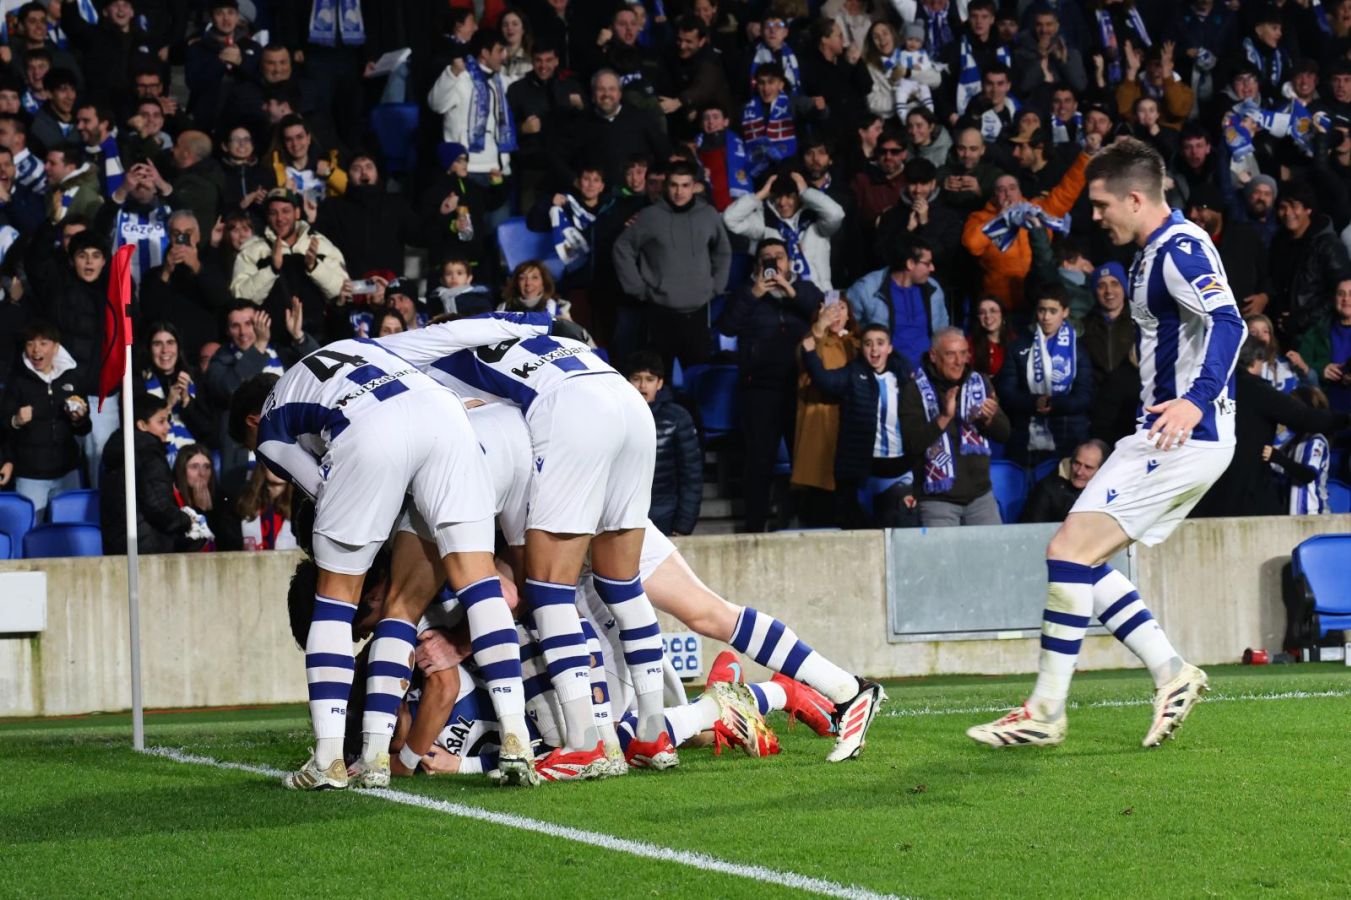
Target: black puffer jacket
678	480
370	226
857	387
161	527
76	307
46	446
767	330
1304	273
1051	498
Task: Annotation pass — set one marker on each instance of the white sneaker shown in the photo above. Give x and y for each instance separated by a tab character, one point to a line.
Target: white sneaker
1019	728
853	719
312	778
516	764
372	773
1174	702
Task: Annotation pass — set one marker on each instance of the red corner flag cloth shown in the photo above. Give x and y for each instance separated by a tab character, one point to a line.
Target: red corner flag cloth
116	324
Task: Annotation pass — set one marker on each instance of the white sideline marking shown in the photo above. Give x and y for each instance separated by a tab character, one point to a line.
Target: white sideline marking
910	712
604	841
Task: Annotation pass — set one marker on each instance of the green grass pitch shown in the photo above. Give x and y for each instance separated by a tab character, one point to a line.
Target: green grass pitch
1252	799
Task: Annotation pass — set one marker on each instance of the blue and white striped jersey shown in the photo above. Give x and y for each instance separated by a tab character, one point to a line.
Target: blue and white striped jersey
318	398
1189	328
506	356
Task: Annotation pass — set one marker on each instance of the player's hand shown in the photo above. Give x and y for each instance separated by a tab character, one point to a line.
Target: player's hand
435	652
1173	427
439	762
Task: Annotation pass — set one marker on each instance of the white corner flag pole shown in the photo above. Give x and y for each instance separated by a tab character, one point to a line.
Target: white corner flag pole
133	562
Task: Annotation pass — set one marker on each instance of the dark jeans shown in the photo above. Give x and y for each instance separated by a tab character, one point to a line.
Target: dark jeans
682	335
767	417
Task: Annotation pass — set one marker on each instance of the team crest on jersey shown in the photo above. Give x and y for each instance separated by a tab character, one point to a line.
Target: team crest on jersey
1210	288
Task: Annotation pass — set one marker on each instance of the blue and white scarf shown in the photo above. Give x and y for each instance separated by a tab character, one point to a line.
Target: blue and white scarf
113	175
273	365
938	29
940	468
29	171
1293	121
1060	130
331	19
891	60
910	59
489	101
179	435
737	161
1051	369
787	58
792	239
30	102
8	235
968	78
1107	33
567	225
991	125
770	135
1311	499
306	183
149	232
1270	74
1003	229
1237	136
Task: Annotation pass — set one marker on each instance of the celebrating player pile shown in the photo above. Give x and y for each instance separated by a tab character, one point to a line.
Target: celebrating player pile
359	424
1190	334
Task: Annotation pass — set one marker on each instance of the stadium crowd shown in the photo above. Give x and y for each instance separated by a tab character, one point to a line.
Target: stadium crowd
874	210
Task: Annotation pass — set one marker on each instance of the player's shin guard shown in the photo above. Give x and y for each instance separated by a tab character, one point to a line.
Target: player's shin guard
328	670
601	715
773	644
640	636
496	653
1069	602
1118	606
554	609
387	675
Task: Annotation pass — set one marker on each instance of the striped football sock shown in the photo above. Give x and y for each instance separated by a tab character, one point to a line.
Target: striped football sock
388	671
1118	606
640	637
773	644
328	670
493	641
1069	602
559	628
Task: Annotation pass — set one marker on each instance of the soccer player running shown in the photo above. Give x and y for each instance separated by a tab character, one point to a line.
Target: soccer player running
593	451
1190	332
357	428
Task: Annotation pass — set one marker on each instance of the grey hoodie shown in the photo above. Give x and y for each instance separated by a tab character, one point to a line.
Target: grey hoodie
678	260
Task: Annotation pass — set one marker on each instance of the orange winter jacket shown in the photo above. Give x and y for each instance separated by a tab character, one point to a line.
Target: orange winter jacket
1003	272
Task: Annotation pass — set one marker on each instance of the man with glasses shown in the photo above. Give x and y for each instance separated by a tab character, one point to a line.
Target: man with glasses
878	187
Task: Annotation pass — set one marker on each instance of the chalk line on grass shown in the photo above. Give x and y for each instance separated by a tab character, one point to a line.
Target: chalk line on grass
701	861
914	711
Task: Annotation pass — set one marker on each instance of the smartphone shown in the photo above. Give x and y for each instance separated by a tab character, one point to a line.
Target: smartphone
769	274
364	286
183	238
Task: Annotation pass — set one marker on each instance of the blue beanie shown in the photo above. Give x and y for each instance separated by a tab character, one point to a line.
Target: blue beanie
1114	269
448	151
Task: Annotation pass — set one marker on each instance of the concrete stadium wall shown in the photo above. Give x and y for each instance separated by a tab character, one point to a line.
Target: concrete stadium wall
214	628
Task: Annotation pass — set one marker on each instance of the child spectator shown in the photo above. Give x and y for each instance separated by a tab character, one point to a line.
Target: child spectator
161	525
1047	384
767	124
678	479
195	488
722	153
388	322
456	292
43	413
1310	451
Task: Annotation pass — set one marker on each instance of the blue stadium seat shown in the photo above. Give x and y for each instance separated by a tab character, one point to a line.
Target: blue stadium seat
1010	488
1319	564
519	244
395	126
677	375
714	391
6	547
783	464
74	506
1339	496
16	517
66	539
1044	469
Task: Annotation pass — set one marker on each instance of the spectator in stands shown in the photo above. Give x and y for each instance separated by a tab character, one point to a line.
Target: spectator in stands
20	208
54	123
768	317
403	298
137	214
803	217
903	298
1306	259
818	421
878	187
251	351
263	512
695	77
928	139
1157	79
531	288
1004	271
195	488
456	292
44	411
112	46
246	182
1259	207
832	75
951	411
1044	61
453	213
31	31
72	184
1283	371
1327	348
870	442
386	323
1241	251
1046	384
1109	340
289	259
674	258
298	164
222	57
164	374
29	167
161	526
1052	498
368	224
544	103
1310	461
198	181
968	179
570	217
678	479
990	338
1249	487
923	212
183	291
611	133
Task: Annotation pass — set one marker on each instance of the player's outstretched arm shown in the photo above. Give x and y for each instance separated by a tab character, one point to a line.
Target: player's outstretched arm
424	346
292	463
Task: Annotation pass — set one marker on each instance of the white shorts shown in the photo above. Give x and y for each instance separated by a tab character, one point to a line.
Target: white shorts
594	448
1149	491
505	440
417	443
